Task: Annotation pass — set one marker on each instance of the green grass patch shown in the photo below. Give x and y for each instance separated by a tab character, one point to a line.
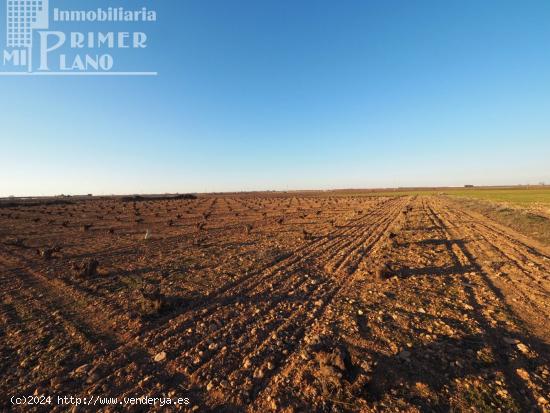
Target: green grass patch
518	218
520	196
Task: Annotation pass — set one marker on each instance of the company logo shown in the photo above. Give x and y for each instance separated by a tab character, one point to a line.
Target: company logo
38	43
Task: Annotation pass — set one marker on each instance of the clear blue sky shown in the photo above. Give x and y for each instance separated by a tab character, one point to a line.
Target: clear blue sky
284	94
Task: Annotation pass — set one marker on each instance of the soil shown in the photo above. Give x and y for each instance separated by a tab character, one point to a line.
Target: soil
301	302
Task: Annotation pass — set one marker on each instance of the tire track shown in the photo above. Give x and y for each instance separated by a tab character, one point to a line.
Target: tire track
519	388
293	362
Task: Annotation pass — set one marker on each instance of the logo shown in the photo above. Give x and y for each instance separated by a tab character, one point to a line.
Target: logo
40	43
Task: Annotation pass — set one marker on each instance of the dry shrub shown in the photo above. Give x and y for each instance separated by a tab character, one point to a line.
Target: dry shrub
151	301
85	269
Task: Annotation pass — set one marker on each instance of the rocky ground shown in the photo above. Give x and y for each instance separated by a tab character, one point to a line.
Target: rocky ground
276	302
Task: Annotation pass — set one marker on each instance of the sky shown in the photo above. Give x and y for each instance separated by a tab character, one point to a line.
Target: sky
277	95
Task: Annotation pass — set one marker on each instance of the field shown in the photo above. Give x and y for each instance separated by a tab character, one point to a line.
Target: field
525	209
520	196
300	302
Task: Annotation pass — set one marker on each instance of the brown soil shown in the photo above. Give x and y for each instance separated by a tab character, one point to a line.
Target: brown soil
304	302
532	221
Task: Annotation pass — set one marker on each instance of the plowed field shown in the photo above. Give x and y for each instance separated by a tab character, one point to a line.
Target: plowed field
273	302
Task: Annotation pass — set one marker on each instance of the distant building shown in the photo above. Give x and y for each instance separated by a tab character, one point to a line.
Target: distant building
468	186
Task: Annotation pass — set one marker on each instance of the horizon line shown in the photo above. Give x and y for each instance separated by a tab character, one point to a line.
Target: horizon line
402	188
